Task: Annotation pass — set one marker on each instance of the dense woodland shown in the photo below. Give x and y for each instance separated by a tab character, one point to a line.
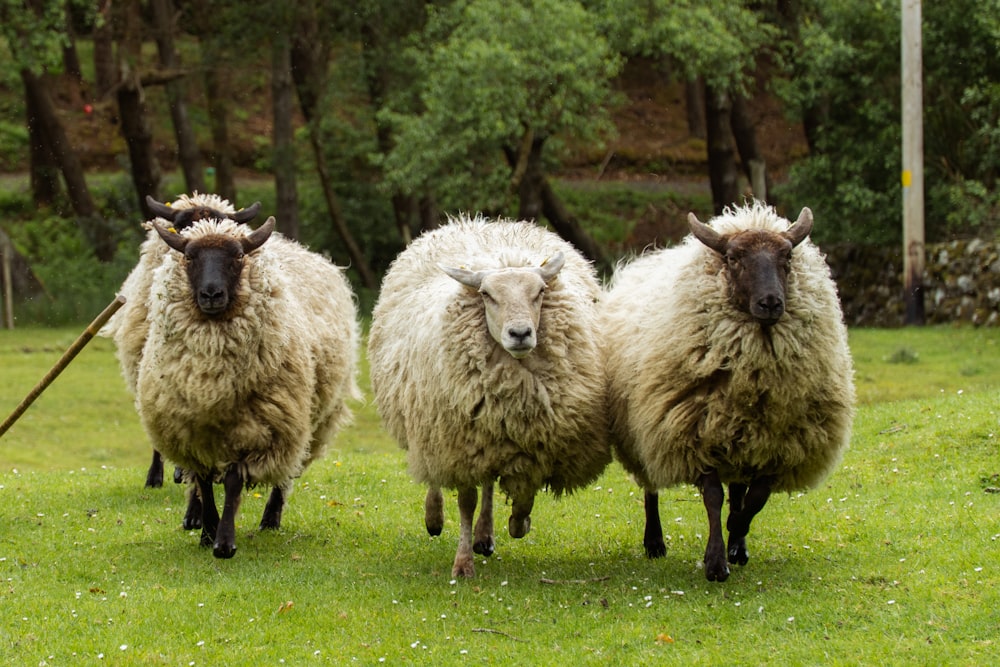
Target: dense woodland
370	121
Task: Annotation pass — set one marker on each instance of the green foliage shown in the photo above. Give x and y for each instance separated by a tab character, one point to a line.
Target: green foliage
897	544
843	80
490	73
718	40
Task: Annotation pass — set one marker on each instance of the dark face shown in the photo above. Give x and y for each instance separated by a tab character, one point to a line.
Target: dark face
213	270
757	263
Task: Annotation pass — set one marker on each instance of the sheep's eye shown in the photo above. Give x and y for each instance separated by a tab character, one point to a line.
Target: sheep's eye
541	293
733	261
488	297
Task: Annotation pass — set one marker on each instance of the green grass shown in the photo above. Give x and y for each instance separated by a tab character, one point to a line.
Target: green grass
892	561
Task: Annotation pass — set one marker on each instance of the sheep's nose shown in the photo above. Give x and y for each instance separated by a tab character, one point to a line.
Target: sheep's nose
770	307
519	334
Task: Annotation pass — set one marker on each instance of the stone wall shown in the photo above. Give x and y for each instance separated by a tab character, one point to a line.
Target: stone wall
961	283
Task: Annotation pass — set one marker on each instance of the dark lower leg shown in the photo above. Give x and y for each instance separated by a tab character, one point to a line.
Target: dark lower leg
712	495
738	522
434	511
271	518
484	544
209	512
652	538
467	498
225	537
520	516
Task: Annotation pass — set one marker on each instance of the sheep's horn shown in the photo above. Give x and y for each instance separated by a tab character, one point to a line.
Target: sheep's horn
706	234
256	238
246	214
800	230
161	210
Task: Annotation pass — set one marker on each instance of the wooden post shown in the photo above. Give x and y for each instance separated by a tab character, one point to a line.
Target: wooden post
63	362
913	163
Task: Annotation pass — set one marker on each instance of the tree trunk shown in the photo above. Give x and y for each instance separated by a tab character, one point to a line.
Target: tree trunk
187	145
94	227
722	171
694	93
309	56
105	73
222	151
44	166
283	160
745	133
538	199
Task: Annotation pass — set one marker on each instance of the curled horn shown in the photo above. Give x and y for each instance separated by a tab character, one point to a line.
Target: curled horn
160	210
245	214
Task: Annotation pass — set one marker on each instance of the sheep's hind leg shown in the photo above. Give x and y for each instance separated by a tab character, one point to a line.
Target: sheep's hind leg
738	523
434	511
712	495
652	538
485	544
154	477
519	523
195	510
225	537
209	512
463	567
271	519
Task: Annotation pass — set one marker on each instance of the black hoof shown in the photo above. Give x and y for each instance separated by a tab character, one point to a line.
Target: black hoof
739	556
655	549
484	548
434	531
192	523
519	529
154	479
224	551
716	572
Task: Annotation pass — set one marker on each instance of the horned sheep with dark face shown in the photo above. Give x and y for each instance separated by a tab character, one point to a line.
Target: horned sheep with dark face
728	365
246	365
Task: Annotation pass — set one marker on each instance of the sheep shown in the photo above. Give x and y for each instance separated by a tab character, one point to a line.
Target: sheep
129	326
485	367
728	363
247	363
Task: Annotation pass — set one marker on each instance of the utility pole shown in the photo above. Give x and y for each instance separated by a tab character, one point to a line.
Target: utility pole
913	163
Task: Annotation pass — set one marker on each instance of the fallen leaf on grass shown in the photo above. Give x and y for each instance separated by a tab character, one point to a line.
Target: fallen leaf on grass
285	606
664	638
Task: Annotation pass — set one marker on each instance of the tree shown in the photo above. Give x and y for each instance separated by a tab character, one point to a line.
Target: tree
502	80
714	41
187	145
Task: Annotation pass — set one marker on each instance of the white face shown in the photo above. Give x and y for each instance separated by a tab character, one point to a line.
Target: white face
513	301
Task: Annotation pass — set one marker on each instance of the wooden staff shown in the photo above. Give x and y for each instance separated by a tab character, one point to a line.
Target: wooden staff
64	361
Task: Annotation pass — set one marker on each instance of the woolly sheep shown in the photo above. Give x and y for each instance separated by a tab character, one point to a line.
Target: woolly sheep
485	367
129	327
247	363
728	364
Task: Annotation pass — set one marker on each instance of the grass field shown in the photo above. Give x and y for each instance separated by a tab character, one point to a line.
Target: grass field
894	560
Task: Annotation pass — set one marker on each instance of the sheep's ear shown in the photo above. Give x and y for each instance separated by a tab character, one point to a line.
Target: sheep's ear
473	279
706	234
256	238
246	214
171	237
798	232
161	210
551	266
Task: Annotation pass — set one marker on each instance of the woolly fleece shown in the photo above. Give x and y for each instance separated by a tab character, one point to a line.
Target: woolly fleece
696	384
265	387
463	407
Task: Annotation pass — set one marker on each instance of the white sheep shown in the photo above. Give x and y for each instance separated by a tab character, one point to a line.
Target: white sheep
247	364
130	325
728	364
485	366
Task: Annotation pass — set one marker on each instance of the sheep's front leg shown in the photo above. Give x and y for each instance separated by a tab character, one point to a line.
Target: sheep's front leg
467	497
738	523
485	544
225	537
713	496
271	519
652	538
209	512
434	511
154	477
